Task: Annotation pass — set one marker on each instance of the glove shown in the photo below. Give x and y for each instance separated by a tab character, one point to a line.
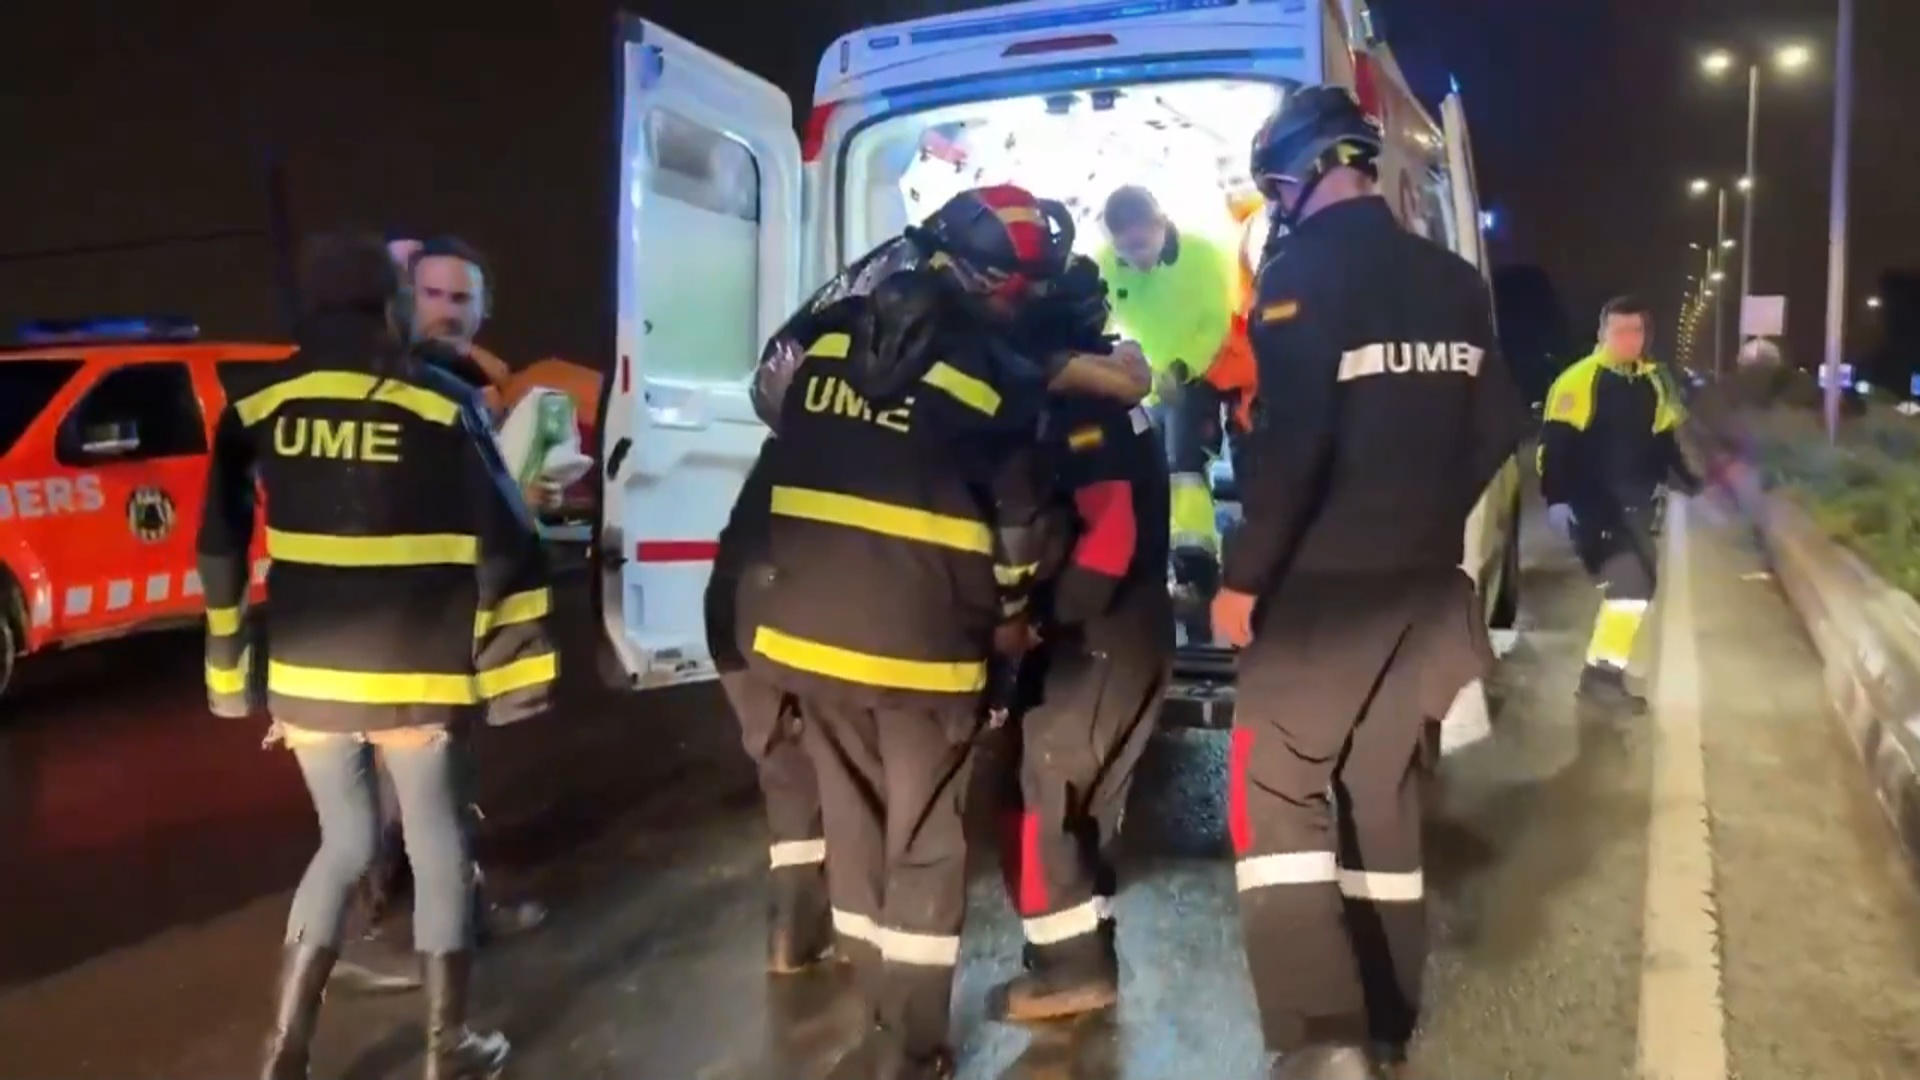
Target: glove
1560	518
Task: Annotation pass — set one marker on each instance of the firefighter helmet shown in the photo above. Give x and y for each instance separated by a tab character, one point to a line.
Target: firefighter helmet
1316	129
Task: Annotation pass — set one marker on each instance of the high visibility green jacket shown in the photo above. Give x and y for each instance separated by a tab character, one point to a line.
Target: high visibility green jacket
1609	439
1181	309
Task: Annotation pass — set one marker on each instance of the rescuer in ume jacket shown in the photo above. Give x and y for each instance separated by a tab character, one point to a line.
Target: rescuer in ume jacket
410	596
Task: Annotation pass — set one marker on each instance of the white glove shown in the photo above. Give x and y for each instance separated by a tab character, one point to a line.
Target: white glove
1560	518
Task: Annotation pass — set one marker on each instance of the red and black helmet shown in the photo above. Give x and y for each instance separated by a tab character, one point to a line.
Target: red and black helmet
1002	233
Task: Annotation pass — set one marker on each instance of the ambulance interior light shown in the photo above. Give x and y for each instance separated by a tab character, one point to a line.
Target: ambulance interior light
133	328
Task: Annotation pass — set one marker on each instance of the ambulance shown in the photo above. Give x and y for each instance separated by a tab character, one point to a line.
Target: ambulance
727	221
105	429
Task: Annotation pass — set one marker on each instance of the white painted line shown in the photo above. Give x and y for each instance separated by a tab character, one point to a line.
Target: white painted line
1682	1018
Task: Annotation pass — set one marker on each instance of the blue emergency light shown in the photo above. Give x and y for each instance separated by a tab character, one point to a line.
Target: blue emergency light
130	328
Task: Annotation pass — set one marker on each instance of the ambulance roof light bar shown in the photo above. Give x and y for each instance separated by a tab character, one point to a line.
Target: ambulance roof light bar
101	328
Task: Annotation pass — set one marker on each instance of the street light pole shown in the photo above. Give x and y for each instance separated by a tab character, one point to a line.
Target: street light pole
1753	186
1837	222
1719	297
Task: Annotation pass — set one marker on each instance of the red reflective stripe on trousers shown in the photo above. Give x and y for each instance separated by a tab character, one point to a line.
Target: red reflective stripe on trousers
677	550
1107	541
1033	876
1239	825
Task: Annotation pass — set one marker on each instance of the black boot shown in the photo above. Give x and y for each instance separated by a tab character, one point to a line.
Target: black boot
800	920
1079	976
1605	686
453	1051
303	980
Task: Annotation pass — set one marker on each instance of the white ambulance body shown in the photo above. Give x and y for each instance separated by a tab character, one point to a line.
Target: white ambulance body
727	221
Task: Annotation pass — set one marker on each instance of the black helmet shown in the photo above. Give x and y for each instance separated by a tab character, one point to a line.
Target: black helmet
1003	232
1314	130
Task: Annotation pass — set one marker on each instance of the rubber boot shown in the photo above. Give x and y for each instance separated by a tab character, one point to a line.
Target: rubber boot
303	981
799	920
1070	979
1326	1061
454	1052
1606	687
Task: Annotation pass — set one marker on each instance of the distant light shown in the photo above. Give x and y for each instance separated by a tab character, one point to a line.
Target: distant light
1793	57
1727	243
1695	247
1707	293
1717	62
69	331
1862	387
1745	184
1719	276
1699	187
1873	301
1489	220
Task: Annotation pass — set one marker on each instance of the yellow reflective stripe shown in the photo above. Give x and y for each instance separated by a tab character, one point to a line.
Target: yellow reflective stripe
886	519
347	386
223	621
831	346
963	387
370	687
230	681
1191	522
419	549
1615	631
1014	575
1020	215
1570	401
519	675
869	669
518	608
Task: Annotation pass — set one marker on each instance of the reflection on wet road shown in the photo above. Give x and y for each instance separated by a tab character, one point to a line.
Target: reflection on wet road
155	844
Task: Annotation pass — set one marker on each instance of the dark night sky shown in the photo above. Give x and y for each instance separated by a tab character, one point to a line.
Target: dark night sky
131	121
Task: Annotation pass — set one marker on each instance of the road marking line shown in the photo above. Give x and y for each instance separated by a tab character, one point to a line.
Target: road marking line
1682	1018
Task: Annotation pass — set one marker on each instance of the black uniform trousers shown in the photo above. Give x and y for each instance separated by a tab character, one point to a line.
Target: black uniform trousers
1096	704
770	726
1324	798
893	782
1616	543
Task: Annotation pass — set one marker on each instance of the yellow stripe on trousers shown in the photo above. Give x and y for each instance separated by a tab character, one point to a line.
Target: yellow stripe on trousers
869	669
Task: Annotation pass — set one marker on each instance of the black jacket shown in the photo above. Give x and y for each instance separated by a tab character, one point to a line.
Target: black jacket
1609	438
1110	470
1384	410
407	583
902	525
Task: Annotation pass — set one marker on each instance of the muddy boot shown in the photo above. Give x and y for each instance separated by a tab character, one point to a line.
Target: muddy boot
800	921
1074	977
303	979
1326	1061
453	1051
1605	687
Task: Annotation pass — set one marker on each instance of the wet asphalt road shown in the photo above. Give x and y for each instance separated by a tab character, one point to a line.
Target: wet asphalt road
146	851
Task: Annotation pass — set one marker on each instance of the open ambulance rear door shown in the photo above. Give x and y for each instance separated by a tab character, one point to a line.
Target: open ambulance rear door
708	249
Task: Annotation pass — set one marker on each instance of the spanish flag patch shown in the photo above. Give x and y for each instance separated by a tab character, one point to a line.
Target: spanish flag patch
1083	439
1280	312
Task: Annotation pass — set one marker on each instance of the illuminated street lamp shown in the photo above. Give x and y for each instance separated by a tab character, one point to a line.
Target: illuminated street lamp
1789	58
1728	243
1699	187
1873	302
1718	276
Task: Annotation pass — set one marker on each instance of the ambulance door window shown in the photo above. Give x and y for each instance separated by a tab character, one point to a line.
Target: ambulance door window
143	412
700	267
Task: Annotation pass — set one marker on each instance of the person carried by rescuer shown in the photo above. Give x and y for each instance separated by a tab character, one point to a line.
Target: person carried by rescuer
905	461
1384	411
382	486
1606	449
1175	292
1092	695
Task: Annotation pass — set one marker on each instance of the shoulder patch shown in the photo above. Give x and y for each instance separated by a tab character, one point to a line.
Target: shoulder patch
1564	405
1086	438
1280	311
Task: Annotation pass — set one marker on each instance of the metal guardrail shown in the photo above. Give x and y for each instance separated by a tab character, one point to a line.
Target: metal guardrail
1867	634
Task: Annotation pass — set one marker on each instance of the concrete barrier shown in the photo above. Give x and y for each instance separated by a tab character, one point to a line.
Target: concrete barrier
1868	636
